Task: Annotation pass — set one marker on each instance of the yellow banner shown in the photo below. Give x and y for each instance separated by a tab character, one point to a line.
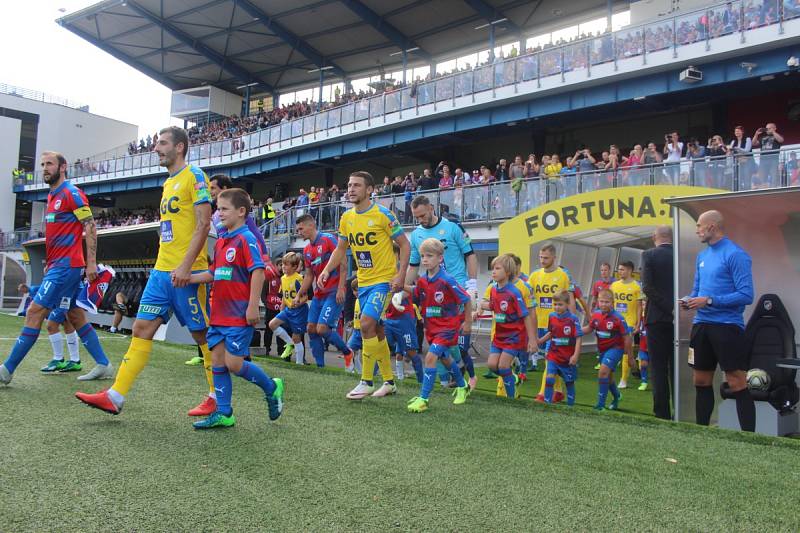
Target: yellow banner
607	208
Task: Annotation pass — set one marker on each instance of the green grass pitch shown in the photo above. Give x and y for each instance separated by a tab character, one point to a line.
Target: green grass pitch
333	465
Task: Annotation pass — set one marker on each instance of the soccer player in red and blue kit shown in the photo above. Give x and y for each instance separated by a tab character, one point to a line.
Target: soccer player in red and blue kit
326	305
564	331
514	330
613	341
400	325
440	298
238	277
67	217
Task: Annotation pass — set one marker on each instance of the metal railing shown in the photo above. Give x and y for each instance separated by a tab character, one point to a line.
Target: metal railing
39	96
502	200
702	26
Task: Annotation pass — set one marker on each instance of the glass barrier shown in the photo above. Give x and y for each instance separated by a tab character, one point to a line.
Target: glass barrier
308	125
550	62
392	102
362	110
576	57
602	50
444	89
348	114
483	78
690	28
658	37
528	67
296	127
724	20
475	203
629	43
375	107
335	117
758	13
791	9
321	123
406	99
463	83
425	93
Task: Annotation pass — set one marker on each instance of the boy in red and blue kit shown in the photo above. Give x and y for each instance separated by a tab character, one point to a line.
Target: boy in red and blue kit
613	342
444	305
565	332
238	277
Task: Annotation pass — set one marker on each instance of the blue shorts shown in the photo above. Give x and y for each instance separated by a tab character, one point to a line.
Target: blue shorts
355	342
60	288
401	334
294	319
643	356
611	357
568	373
325	311
372	300
442	342
237	338
544	348
59	316
494	349
160	299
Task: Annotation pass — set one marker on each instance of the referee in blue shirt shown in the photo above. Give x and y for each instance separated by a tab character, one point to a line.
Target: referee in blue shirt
723	286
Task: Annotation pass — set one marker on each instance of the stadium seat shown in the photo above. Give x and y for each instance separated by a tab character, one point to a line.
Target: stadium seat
769	335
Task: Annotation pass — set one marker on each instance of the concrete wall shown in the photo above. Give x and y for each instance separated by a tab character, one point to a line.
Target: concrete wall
9	159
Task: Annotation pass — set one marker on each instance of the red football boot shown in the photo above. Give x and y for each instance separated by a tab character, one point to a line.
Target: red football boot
100	401
539	398
205	408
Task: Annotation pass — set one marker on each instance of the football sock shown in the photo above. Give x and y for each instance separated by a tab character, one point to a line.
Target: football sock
444	374
524	357
643	370
704	404
559	383
92	344
333	337
602	391
428	381
466	342
357	362
379	350
612	388
299	353
570	392
399	368
72	346
746	409
549	381
368	359
254	374
132	363
459	377
207	368
626	368
24	343
317	348
224	389
416	362
57	342
285	337
509	381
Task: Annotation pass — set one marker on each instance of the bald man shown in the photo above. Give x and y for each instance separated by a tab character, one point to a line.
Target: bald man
657	285
723	286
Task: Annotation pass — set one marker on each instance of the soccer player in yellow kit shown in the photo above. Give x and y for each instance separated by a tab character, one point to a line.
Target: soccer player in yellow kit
545	283
368	229
185	223
628	303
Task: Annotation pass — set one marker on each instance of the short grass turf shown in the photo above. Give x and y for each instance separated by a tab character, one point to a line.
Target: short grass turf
333	465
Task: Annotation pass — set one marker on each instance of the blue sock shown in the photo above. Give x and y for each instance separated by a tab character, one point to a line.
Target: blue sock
24	343
570	392
317	349
464	343
416	362
427	383
224	388
509	381
524	357
456	372
444	374
602	391
333	337
612	388
254	374
548	388
643	371
92	344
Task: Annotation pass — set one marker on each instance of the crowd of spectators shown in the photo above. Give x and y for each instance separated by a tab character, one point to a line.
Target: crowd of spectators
112	218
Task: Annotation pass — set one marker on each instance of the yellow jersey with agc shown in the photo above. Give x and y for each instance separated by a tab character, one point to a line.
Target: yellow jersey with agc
626	296
369	234
544	286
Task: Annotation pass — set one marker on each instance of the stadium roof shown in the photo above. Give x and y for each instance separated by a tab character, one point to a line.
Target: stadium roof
273	44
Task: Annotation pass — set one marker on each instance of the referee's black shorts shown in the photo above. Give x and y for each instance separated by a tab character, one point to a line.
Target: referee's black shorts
722	344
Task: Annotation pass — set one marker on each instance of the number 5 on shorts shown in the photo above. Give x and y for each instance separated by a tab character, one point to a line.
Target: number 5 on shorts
193	307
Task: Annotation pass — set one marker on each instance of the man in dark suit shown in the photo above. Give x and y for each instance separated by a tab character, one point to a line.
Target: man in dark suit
657	284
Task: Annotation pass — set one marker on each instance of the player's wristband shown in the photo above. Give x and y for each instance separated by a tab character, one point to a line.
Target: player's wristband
472	285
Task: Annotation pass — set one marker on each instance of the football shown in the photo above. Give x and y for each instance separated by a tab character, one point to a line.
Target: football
758	379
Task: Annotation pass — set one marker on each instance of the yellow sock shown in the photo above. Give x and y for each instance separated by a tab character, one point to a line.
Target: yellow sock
559	385
626	368
132	363
369	350
384	358
207	366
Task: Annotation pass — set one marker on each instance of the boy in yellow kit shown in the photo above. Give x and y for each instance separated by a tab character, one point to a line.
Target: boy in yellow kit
628	303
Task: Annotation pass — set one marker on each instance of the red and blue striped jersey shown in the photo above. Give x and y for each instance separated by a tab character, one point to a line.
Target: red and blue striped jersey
564	330
316	255
509	309
441	300
67	207
408	313
610	329
236	255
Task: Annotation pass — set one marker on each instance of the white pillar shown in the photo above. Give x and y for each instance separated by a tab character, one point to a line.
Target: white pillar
10	131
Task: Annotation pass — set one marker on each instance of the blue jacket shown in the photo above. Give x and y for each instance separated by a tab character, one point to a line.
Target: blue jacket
724	273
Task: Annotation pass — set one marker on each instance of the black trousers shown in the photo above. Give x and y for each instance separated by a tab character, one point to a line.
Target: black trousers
660	344
270	314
